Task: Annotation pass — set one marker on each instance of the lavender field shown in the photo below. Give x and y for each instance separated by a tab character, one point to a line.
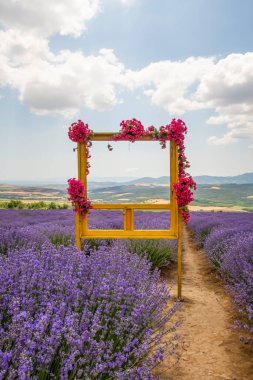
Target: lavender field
227	238
101	313
94	314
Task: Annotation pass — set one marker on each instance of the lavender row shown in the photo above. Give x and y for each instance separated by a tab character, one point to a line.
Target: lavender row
227	239
66	314
99	219
21	228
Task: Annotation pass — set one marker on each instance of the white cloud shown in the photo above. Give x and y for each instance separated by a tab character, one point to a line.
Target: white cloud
226	139
168	83
73	80
48	82
63	82
228	89
58	83
225	86
47	17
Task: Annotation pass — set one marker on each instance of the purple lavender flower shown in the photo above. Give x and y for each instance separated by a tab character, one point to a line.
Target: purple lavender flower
228	241
70	316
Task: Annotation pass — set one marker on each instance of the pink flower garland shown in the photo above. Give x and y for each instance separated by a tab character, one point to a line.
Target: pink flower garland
184	194
175	131
132	130
183	189
80	132
76	196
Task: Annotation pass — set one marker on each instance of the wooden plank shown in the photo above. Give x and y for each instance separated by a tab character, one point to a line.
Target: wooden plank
173	180
78	217
82	163
179	257
108	136
78	232
128	219
138	206
129	234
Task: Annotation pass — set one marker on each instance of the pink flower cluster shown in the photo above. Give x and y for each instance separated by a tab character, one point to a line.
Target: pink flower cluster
131	130
171	132
175	131
183	189
184	194
76	196
80	133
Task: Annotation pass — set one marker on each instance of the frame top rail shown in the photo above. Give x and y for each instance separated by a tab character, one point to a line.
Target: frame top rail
108	136
138	206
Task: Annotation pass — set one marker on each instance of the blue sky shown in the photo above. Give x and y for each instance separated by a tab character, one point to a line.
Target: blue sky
107	60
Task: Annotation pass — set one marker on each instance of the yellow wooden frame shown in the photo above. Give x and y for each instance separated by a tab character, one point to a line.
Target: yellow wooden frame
129	232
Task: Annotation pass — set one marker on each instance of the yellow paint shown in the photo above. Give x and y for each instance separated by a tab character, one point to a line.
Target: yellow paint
139	206
129	232
179	257
108	136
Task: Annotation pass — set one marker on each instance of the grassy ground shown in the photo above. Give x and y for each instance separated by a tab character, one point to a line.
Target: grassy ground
235	196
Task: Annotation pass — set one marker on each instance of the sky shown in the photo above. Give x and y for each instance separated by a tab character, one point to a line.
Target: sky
104	61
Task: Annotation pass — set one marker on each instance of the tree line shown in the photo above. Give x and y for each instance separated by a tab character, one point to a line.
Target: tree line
18	204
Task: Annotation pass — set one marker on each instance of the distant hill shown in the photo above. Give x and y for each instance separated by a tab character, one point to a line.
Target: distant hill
213	180
202	179
100	182
151	180
228	194
233	191
32	193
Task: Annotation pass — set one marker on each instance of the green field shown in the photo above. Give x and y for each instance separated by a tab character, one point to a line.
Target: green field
228	195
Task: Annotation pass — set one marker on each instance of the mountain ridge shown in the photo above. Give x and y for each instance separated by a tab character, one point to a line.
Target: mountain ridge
203	179
244	178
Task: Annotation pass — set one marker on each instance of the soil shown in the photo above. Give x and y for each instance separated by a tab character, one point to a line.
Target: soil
208	347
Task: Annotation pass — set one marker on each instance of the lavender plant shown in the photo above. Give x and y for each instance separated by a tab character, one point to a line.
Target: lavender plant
237	268
229	246
59	235
66	315
14	238
159	252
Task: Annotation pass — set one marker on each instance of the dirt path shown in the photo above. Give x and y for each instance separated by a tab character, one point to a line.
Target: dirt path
209	349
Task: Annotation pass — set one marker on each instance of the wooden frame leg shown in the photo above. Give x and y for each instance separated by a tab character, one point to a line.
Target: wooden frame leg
78	239
179	257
